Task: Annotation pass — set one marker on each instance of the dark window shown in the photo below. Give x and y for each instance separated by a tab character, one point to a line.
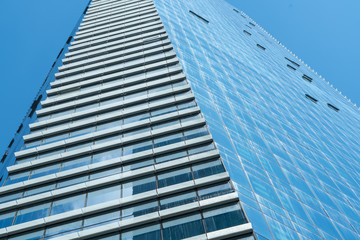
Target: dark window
4	156
260	47
311	98
248	26
291	67
199	16
11	143
247	32
69	40
60	53
333	107
296	64
236	10
307	78
252	24
19	129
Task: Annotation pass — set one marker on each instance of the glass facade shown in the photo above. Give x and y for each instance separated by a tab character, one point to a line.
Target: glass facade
288	139
116	146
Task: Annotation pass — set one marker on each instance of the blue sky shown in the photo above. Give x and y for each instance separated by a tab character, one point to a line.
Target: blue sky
322	33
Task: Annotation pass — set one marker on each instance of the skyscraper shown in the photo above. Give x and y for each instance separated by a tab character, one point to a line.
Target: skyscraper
119	147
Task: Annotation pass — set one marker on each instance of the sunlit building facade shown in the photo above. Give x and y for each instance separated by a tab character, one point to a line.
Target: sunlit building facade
181	120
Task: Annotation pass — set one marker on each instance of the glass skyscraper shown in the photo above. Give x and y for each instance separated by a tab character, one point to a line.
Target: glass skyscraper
181	120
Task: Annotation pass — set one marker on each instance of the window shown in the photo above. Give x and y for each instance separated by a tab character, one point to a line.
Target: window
148	232
307	78
252	24
206	169
229	216
31	213
174	177
6	219
260	47
215	190
67	204
236	10
104	195
247	32
183	227
292	62
140	209
63	228
291	67
333	107
199	16
311	98
177	200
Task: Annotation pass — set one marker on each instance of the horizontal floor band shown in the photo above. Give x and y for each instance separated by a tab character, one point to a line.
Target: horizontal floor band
99	120
120	59
78	44
105	181
116	11
117	75
115	28
100	134
112	163
126	86
124	52
113	7
79	92
104	109
127	40
93	9
156	217
91	17
107	145
230	232
132	32
116	18
137	221
138	34
120	142
131	18
117	68
101	3
103	96
95	3
109	107
114	33
105	45
144	41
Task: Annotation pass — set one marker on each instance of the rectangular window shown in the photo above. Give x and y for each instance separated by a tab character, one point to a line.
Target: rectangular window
252	24
307	78
260	47
291	67
247	32
236	10
183	227
199	16
311	98
296	64
220	218
333	107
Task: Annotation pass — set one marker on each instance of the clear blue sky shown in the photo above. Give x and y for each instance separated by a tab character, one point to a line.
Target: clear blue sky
324	33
